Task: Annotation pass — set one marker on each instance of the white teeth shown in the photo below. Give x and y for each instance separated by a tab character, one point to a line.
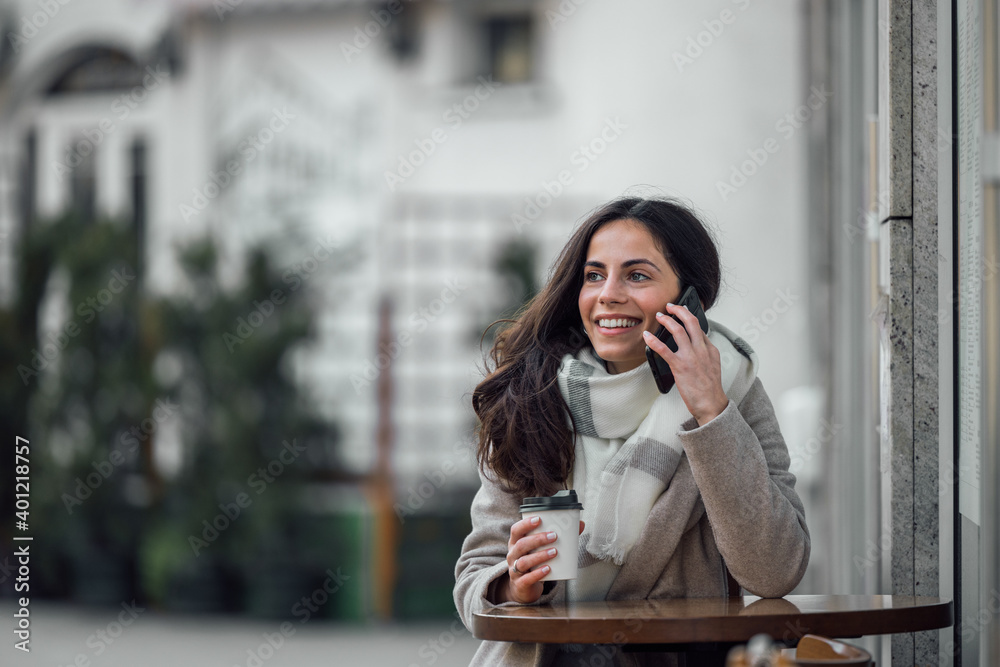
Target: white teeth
612	324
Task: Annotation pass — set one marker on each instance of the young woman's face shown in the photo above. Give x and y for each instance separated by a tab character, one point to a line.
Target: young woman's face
626	281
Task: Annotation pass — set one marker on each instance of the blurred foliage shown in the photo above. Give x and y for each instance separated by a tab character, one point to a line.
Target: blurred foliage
515	265
200	374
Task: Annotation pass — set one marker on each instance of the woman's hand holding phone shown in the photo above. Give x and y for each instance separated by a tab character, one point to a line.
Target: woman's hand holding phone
696	365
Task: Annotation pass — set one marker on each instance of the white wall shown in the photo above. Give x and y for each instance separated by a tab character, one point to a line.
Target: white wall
682	130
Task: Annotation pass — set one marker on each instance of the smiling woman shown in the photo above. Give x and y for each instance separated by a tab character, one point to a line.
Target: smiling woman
681	491
626	282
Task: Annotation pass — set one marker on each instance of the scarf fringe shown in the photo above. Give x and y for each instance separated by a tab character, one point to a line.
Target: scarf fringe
611	551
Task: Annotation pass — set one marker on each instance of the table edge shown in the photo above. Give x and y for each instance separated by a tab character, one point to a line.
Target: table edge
784	626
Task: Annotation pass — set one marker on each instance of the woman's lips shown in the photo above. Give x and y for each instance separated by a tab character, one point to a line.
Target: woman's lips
611	326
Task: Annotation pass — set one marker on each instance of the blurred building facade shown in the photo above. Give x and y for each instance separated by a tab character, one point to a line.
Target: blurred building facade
426	138
426	135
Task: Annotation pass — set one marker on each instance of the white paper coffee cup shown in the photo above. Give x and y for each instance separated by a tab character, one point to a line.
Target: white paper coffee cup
559	513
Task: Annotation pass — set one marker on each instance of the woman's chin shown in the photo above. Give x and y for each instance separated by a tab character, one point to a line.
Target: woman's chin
618	362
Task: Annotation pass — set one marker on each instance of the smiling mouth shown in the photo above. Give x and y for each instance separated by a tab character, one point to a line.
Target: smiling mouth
621	323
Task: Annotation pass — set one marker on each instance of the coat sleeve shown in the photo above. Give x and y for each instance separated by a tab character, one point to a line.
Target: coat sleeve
740	463
483	560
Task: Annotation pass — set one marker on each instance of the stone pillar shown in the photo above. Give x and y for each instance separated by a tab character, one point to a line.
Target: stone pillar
909	237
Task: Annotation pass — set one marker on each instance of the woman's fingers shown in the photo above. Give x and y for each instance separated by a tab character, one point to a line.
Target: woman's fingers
526	588
692	327
526	559
526	545
528	563
522	544
696	365
529	544
521	528
658	346
687	335
677	329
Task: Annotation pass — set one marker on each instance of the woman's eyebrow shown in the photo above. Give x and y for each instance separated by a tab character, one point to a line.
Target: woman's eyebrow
633	262
627	263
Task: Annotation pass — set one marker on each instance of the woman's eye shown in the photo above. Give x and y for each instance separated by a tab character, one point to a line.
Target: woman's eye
638	277
592	276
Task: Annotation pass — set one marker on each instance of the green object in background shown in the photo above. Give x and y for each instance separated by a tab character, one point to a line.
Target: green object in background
120	524
429	545
352	601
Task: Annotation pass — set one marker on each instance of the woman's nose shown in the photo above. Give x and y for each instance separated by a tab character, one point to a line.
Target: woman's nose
613	291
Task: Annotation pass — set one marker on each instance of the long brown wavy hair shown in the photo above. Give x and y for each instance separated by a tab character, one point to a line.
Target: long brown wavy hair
525	437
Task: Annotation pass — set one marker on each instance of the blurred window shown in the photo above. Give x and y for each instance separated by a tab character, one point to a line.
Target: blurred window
403	31
98	69
138	189
82	186
29	162
510	58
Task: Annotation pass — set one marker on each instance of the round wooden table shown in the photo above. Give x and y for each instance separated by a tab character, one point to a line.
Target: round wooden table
679	624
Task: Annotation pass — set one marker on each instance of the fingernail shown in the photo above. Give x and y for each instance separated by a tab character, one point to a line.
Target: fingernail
659	314
551	536
552	552
546	569
646	334
669	305
535	520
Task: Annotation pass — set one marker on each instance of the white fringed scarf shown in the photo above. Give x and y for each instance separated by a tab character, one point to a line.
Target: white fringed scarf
627	406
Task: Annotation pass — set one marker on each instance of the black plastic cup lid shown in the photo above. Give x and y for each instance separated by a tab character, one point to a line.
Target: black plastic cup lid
563	500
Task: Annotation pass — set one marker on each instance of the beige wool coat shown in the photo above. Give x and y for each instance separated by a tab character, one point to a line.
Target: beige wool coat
731	503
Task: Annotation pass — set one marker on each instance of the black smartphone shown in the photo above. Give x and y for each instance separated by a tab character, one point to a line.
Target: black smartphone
661	371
